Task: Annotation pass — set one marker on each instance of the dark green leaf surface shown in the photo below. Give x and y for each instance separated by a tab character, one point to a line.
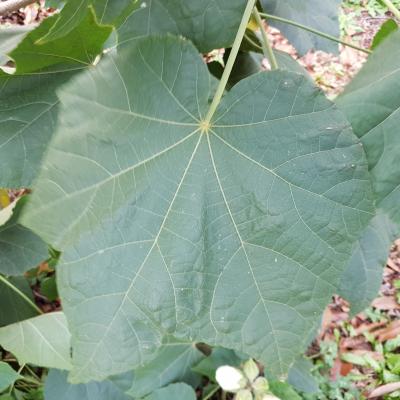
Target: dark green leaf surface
28	103
57	387
385	30
87	38
7	376
42	341
177	391
74	11
20	248
234	234
317	14
172	363
372	105
13	307
209	24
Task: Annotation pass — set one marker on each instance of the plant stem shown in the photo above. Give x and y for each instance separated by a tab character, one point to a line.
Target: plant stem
211	394
23	295
231	61
266	45
315	31
392	8
13	5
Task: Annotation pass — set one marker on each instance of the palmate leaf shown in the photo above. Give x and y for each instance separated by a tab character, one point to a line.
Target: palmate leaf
43	341
321	15
233	234
372	104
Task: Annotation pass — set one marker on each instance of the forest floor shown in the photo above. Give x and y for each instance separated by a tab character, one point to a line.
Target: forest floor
359	352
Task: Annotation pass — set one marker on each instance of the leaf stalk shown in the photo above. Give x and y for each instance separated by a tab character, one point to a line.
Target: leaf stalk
266	44
231	61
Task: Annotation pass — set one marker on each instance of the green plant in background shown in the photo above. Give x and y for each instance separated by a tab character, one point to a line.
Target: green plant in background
182	212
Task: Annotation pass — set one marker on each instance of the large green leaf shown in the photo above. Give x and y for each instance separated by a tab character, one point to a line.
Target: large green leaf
20	249
317	14
87	38
234	234
209	24
13	307
57	387
172	392
43	341
372	104
172	364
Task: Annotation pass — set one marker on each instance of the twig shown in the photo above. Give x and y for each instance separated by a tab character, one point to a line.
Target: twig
13	5
266	45
392	8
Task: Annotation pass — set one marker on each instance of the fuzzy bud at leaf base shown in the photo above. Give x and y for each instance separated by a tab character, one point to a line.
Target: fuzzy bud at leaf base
251	370
230	379
244	395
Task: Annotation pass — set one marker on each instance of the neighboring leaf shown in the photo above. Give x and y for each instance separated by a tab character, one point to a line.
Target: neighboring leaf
366	265
372	105
28	115
74	11
57	387
317	14
87	38
209	24
20	248
28	103
173	392
172	364
13	307
9	39
7	376
217	358
43	341
300	376
225	235
385	30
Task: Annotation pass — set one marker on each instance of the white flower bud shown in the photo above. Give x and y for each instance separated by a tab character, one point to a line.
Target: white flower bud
251	370
230	379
